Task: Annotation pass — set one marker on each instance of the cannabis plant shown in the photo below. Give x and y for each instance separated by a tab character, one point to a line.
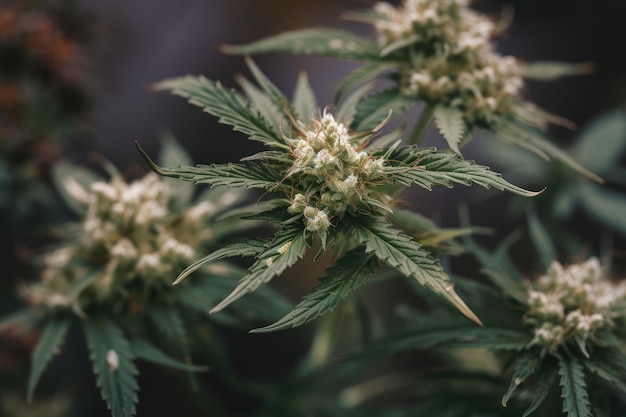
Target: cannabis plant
564	327
439	53
324	182
112	276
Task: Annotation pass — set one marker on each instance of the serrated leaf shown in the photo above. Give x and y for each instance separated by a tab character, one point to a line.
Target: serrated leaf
606	206
263	305
551	70
358	76
304	100
601	143
47	346
277	97
449	122
349	273
248	248
375	107
248	175
261	101
407	256
573	388
525	365
148	352
545	382
112	360
426	168
284	250
329	42
228	105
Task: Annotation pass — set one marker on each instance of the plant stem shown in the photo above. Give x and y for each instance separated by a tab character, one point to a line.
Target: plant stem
422	125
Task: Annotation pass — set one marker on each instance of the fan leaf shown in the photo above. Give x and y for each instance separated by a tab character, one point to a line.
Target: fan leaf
112	360
399	251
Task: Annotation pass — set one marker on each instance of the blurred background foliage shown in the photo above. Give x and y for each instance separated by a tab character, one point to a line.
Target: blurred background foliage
75	80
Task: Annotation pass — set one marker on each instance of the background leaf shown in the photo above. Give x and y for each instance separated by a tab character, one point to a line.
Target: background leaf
118	384
334	43
48	345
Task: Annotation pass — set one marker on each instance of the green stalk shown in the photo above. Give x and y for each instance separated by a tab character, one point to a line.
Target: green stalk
422	125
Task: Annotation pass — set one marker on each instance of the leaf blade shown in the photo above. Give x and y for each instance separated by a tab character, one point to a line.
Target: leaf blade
115	372
51	339
228	105
348	274
404	254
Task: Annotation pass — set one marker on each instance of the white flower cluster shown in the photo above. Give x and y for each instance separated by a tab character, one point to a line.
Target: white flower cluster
333	173
129	238
453	60
573	302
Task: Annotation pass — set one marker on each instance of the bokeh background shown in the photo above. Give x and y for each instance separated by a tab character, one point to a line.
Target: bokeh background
102	57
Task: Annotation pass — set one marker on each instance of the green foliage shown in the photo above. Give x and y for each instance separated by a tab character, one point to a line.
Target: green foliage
49	345
344	277
574	388
112	360
328	42
316	197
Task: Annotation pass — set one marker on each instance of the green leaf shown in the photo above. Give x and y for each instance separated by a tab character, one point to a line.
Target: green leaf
284	250
248	175
261	101
334	43
601	144
304	100
525	366
229	106
541	239
170	325
375	107
606	206
546	379
608	372
248	248
404	254
349	273
360	75
146	351
173	154
449	122
113	365
426	168
528	137
551	70
439	330
277	97
573	388
48	345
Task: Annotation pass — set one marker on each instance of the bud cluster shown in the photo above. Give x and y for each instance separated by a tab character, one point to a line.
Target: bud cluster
453	62
573	302
331	172
128	243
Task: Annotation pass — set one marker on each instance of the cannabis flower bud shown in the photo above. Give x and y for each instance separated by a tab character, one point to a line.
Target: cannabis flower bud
127	247
453	62
334	172
573	302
